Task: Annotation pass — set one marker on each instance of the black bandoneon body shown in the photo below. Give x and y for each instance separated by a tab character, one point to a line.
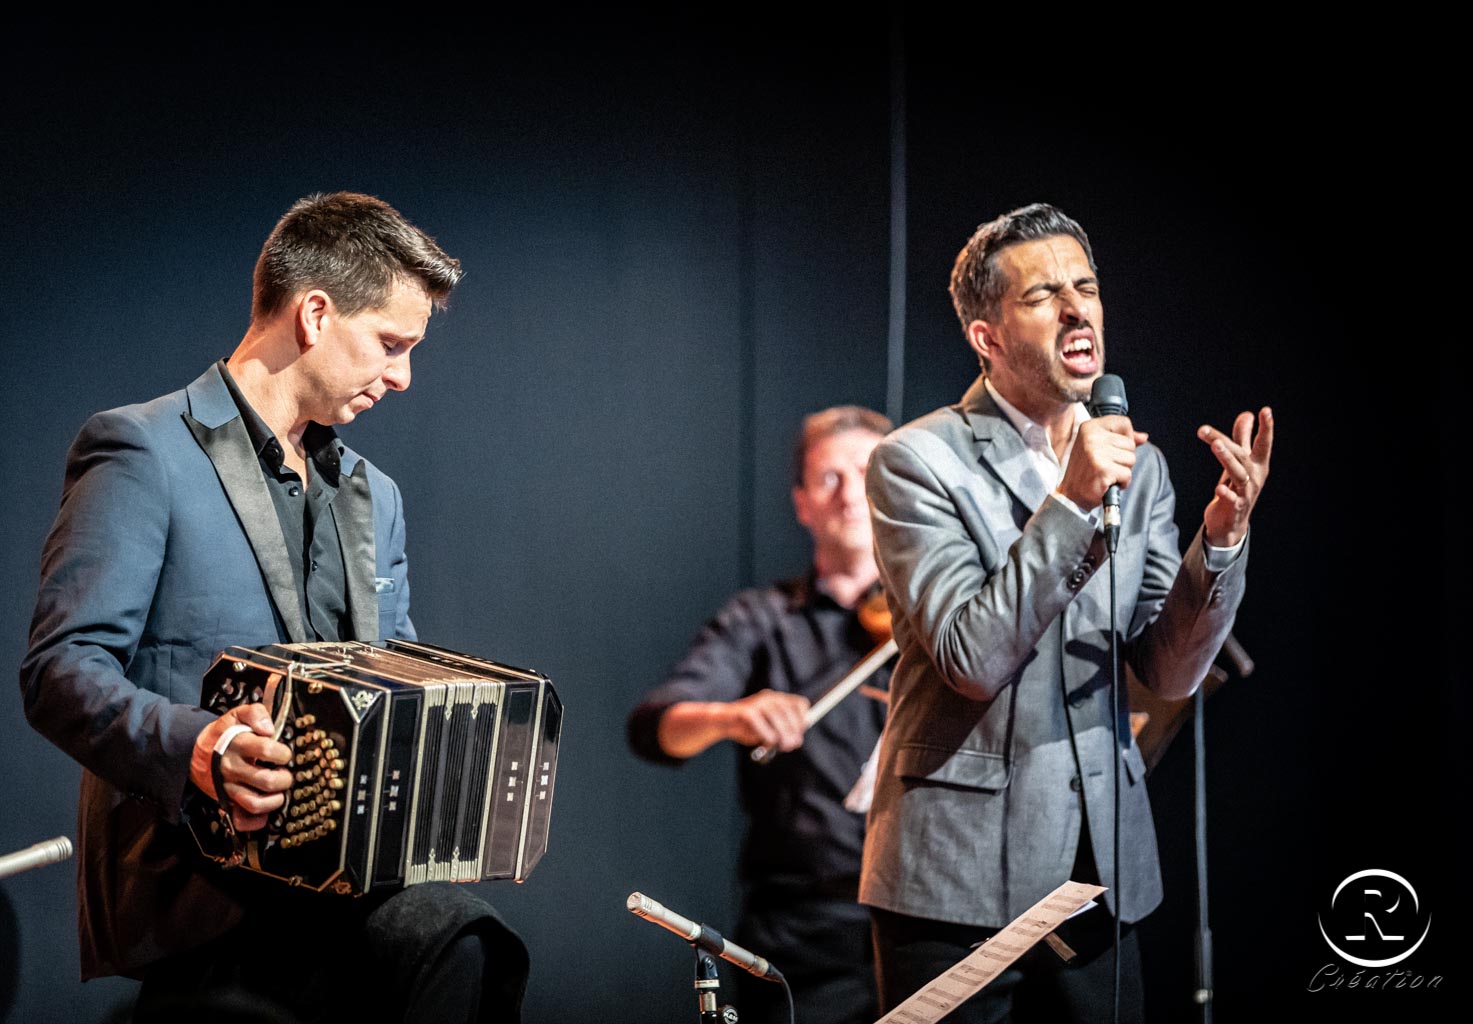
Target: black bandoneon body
411	763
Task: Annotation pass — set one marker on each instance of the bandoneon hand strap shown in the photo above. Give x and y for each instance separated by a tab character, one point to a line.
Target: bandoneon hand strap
217	775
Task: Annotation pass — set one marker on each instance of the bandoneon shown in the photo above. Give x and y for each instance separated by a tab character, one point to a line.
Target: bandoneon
410	763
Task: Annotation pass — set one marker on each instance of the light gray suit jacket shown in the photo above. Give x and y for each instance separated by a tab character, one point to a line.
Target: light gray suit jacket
168	549
999	740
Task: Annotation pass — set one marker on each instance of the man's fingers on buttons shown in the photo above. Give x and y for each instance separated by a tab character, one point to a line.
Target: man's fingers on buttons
268	781
255	716
251	800
261	748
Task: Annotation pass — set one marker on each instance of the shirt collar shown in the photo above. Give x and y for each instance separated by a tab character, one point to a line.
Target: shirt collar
1033	434
808	592
320	442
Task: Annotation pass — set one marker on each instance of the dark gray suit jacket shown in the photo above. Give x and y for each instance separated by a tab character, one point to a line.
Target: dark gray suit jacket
999	735
167	548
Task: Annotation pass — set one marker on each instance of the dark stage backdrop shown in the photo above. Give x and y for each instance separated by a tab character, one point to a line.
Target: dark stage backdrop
677	245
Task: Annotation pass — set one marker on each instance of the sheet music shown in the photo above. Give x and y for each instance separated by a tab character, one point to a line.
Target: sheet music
974	972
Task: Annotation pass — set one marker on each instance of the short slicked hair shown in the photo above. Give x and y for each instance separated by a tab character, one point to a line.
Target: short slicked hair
352	246
829	422
977	283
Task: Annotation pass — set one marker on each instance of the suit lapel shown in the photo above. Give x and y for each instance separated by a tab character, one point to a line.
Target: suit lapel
215	423
352	513
1000	448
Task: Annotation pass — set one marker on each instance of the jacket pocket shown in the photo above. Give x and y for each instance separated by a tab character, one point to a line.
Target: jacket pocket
965	769
388	615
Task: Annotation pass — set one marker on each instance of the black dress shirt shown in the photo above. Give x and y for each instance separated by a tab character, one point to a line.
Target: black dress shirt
305	512
794	638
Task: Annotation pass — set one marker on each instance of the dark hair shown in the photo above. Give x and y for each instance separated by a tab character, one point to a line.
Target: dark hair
977	285
352	246
828	422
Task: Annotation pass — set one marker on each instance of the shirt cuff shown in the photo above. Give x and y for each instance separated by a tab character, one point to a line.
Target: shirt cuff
1217	559
1092	517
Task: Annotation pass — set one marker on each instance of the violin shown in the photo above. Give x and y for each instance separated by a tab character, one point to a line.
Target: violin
874	616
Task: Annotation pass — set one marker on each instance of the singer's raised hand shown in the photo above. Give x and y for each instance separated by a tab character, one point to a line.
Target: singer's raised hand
1102	457
1244	459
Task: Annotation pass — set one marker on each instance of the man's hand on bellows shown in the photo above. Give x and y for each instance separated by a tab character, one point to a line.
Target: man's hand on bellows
254	781
1102	457
1244	461
769	718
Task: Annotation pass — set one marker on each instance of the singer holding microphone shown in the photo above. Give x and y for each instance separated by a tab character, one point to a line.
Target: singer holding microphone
995	774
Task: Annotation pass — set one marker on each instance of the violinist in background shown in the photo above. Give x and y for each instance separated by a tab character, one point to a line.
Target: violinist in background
751	676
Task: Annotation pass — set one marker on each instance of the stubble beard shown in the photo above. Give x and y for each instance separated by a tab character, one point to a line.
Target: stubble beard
1053	379
1071	390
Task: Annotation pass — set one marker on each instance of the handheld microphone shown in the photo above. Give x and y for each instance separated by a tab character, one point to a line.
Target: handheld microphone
708	939
1107	398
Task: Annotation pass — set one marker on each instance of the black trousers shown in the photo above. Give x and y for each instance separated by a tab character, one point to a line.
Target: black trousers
432	952
822	946
1039	986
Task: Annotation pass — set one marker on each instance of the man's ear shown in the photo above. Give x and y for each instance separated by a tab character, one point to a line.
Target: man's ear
312	310
982	337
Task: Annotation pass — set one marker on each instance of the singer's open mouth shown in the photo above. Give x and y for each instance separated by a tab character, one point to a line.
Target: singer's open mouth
1079	354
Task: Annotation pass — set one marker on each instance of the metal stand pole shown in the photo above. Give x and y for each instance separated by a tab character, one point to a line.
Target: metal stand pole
1203	994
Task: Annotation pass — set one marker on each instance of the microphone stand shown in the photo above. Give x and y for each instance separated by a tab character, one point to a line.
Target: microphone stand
1202	995
707	985
706	942
1243	665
